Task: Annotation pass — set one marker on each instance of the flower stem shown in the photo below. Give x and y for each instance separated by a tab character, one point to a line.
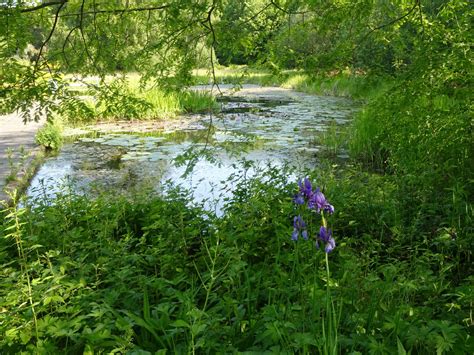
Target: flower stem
331	340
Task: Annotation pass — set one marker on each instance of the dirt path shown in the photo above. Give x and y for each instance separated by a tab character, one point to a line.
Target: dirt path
17	140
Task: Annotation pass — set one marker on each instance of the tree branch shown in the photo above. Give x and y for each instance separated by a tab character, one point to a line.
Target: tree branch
254	16
56	17
118	11
81	31
213	44
43	5
391	22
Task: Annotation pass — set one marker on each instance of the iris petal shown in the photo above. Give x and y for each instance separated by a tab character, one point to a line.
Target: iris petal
325	235
304	234
294	235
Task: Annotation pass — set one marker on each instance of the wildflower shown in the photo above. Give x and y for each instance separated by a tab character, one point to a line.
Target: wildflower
305	187
325	235
299	227
319	203
299	199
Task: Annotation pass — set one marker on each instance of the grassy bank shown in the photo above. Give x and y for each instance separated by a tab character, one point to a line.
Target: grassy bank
21	174
125	98
340	83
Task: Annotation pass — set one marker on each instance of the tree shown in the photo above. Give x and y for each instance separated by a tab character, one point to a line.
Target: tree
164	40
40	43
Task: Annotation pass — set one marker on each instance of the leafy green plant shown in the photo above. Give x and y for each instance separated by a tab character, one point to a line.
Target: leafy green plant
50	136
14	229
159	274
16	162
12	166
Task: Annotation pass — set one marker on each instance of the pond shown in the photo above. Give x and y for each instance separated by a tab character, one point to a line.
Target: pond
260	125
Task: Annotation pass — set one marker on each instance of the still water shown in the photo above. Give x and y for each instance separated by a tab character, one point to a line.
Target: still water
264	126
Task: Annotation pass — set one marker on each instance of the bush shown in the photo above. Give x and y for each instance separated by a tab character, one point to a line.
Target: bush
50	136
420	129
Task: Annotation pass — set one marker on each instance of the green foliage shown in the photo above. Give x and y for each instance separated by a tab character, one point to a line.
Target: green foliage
338	83
421	127
159	274
126	99
50	136
244	30
41	43
156	274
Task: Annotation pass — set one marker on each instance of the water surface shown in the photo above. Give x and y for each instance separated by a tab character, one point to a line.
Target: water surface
261	125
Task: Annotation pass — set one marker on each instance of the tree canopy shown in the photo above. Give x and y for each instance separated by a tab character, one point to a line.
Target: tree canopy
40	41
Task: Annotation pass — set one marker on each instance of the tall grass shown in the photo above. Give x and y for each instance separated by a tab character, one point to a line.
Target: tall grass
340	83
125	98
128	98
343	83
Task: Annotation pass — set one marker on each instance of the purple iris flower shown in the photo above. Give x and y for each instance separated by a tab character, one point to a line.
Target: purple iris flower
299	199
305	187
299	227
325	235
319	203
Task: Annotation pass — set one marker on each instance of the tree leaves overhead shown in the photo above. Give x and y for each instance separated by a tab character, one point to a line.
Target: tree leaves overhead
165	40
88	37
97	37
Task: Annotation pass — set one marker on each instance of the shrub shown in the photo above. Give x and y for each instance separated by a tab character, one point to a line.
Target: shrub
50	136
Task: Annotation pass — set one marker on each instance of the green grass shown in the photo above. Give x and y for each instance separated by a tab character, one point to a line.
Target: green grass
342	83
235	75
345	84
124	98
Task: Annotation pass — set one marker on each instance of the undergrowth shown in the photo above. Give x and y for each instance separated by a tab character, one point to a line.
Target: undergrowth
157	275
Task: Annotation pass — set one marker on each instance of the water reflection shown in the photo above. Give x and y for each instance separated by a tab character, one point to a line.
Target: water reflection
259	128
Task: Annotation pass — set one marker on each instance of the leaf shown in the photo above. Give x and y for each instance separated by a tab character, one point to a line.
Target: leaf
198	328
88	350
400	348
53	299
25	337
180	324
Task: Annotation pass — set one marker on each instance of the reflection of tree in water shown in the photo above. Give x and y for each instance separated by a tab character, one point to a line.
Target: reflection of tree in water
285	130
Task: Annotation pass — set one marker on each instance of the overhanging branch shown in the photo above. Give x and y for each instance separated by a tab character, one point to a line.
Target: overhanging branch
118	11
43	5
416	4
56	17
112	11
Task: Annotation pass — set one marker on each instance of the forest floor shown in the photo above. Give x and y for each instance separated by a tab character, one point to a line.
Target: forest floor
17	149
